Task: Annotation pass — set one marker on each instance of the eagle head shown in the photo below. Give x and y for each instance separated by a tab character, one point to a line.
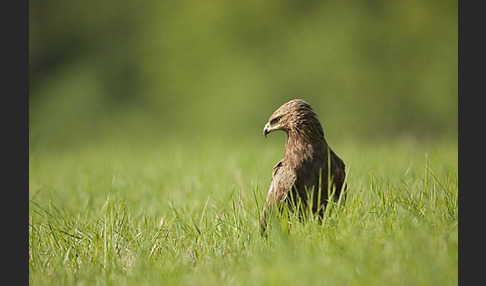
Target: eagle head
294	115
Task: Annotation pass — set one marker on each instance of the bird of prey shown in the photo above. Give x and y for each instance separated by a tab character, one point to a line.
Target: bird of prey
305	163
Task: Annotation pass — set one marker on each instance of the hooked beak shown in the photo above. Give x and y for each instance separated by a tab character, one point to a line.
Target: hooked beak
266	129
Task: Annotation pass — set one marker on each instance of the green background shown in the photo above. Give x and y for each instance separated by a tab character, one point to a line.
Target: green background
105	71
147	162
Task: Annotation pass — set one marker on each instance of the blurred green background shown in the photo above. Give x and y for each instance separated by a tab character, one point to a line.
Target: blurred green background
148	72
147	116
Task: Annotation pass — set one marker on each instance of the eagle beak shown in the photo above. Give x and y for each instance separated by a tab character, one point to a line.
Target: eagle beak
266	129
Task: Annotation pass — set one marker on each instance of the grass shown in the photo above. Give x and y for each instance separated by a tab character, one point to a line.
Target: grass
189	214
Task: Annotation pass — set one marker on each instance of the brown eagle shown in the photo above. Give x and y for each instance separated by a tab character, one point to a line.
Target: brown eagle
305	160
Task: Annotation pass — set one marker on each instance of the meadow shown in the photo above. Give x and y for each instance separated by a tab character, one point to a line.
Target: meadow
188	213
147	163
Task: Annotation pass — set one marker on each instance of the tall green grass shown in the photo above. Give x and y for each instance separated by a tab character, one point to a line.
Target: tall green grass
189	215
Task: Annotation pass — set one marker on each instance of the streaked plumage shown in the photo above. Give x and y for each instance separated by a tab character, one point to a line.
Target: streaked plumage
305	158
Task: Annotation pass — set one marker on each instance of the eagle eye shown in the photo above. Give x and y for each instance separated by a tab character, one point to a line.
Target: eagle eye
275	120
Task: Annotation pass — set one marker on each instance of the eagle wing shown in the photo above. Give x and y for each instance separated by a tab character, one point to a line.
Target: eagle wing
283	178
338	174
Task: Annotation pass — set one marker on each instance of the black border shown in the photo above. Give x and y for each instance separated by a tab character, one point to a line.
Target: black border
471	77
15	141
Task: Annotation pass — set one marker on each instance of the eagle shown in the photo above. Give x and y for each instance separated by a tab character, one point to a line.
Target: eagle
307	158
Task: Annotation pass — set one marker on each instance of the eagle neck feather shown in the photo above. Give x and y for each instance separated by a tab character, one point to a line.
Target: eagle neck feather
302	147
